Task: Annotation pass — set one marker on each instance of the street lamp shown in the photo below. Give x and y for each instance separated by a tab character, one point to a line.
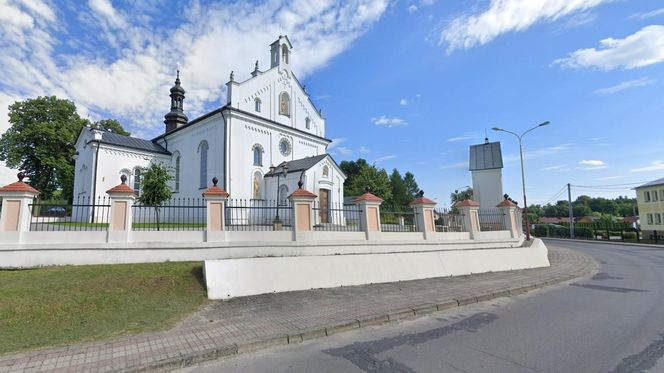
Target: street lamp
284	171
523	177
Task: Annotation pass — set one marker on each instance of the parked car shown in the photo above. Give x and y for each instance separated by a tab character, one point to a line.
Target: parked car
55	211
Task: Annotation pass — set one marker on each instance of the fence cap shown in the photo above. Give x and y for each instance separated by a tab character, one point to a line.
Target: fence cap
368	197
422	201
215	191
507	203
467	203
302	193
19	186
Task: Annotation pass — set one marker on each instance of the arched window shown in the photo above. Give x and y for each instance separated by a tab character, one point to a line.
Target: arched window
137	181
258	154
283	195
307	122
256	182
257	103
284	53
177	172
284	104
326	172
203	150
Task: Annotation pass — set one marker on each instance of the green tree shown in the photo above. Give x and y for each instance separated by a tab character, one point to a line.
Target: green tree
351	169
412	189
40	141
399	194
110	125
154	187
461	195
373	178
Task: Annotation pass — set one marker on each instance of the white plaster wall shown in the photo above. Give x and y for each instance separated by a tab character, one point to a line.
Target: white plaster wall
249	276
488	187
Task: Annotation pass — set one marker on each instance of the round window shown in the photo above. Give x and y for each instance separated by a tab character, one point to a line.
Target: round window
285	147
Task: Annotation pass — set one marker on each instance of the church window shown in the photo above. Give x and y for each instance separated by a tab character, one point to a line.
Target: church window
256	182
283	195
258	155
284	53
257	102
307	122
284	104
203	150
326	172
177	173
137	181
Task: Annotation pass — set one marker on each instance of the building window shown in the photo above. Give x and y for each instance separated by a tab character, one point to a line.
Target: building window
137	181
258	154
256	182
649	219
284	53
177	173
203	150
257	103
326	172
284	104
283	195
658	219
661	195
307	123
654	195
646	196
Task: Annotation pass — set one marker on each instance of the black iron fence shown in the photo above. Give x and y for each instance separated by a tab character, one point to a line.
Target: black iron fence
336	217
85	214
492	219
397	219
177	214
258	215
447	220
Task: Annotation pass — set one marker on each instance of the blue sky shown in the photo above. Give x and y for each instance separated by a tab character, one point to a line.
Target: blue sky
409	84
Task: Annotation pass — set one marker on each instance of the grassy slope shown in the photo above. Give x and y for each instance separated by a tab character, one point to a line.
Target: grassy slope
59	305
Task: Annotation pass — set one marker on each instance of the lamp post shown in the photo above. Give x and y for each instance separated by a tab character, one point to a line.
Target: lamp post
523	177
284	171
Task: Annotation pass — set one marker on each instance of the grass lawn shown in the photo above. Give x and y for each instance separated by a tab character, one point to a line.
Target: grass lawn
59	305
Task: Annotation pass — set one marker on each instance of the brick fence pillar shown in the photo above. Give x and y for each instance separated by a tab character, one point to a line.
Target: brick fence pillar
122	199
471	220
424	219
509	211
16	214
370	214
215	199
303	220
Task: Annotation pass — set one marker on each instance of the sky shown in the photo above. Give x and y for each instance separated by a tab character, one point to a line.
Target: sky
409	84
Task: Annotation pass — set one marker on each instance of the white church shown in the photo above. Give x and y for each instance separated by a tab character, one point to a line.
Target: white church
268	124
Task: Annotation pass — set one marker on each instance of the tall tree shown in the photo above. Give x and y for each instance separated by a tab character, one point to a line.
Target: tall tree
400	195
40	141
351	169
461	195
373	178
110	125
154	187
412	189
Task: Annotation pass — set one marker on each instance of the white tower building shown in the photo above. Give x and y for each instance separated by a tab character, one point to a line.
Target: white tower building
486	164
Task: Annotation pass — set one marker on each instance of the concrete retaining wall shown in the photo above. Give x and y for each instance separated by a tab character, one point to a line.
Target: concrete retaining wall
249	276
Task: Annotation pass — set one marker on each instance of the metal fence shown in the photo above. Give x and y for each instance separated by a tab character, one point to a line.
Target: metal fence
336	217
177	214
491	220
397	219
448	220
85	214
258	215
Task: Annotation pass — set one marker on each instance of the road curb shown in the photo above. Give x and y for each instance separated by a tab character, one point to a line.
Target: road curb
371	320
606	242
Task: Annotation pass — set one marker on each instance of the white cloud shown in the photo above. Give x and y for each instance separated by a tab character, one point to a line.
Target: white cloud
336	142
462	164
125	72
560	167
388	122
592	164
654	166
385	158
342	150
403	102
412	8
646	15
364	150
629	84
538	153
644	47
503	16
610	178
458	138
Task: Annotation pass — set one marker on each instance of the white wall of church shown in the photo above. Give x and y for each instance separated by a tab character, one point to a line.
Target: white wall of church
488	187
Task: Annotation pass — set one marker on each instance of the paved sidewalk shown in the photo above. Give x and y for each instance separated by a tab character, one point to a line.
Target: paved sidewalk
240	325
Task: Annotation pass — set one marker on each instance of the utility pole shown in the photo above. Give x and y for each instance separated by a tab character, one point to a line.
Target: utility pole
571	211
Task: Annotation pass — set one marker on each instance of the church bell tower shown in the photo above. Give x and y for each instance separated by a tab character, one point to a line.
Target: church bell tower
280	53
176	117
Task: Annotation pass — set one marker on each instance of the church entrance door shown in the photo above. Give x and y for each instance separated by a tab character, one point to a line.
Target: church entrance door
324	211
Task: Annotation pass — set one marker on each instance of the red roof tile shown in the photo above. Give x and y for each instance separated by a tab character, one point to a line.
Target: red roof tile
215	191
368	197
467	203
303	193
507	203
19	186
422	201
121	188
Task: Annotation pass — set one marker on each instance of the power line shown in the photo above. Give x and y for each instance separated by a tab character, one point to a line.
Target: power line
558	194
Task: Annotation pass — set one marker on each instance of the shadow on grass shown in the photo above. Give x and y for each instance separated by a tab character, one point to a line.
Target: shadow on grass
197	271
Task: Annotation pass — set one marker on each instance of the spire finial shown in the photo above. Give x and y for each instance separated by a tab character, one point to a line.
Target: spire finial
21	176
232	77
256	66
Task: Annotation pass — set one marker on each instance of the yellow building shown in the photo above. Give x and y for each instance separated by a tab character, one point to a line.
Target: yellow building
650	199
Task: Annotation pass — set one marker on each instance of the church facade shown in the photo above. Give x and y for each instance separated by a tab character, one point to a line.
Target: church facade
266	138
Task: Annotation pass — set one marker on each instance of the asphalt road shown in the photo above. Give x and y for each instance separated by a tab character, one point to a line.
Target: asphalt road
612	322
